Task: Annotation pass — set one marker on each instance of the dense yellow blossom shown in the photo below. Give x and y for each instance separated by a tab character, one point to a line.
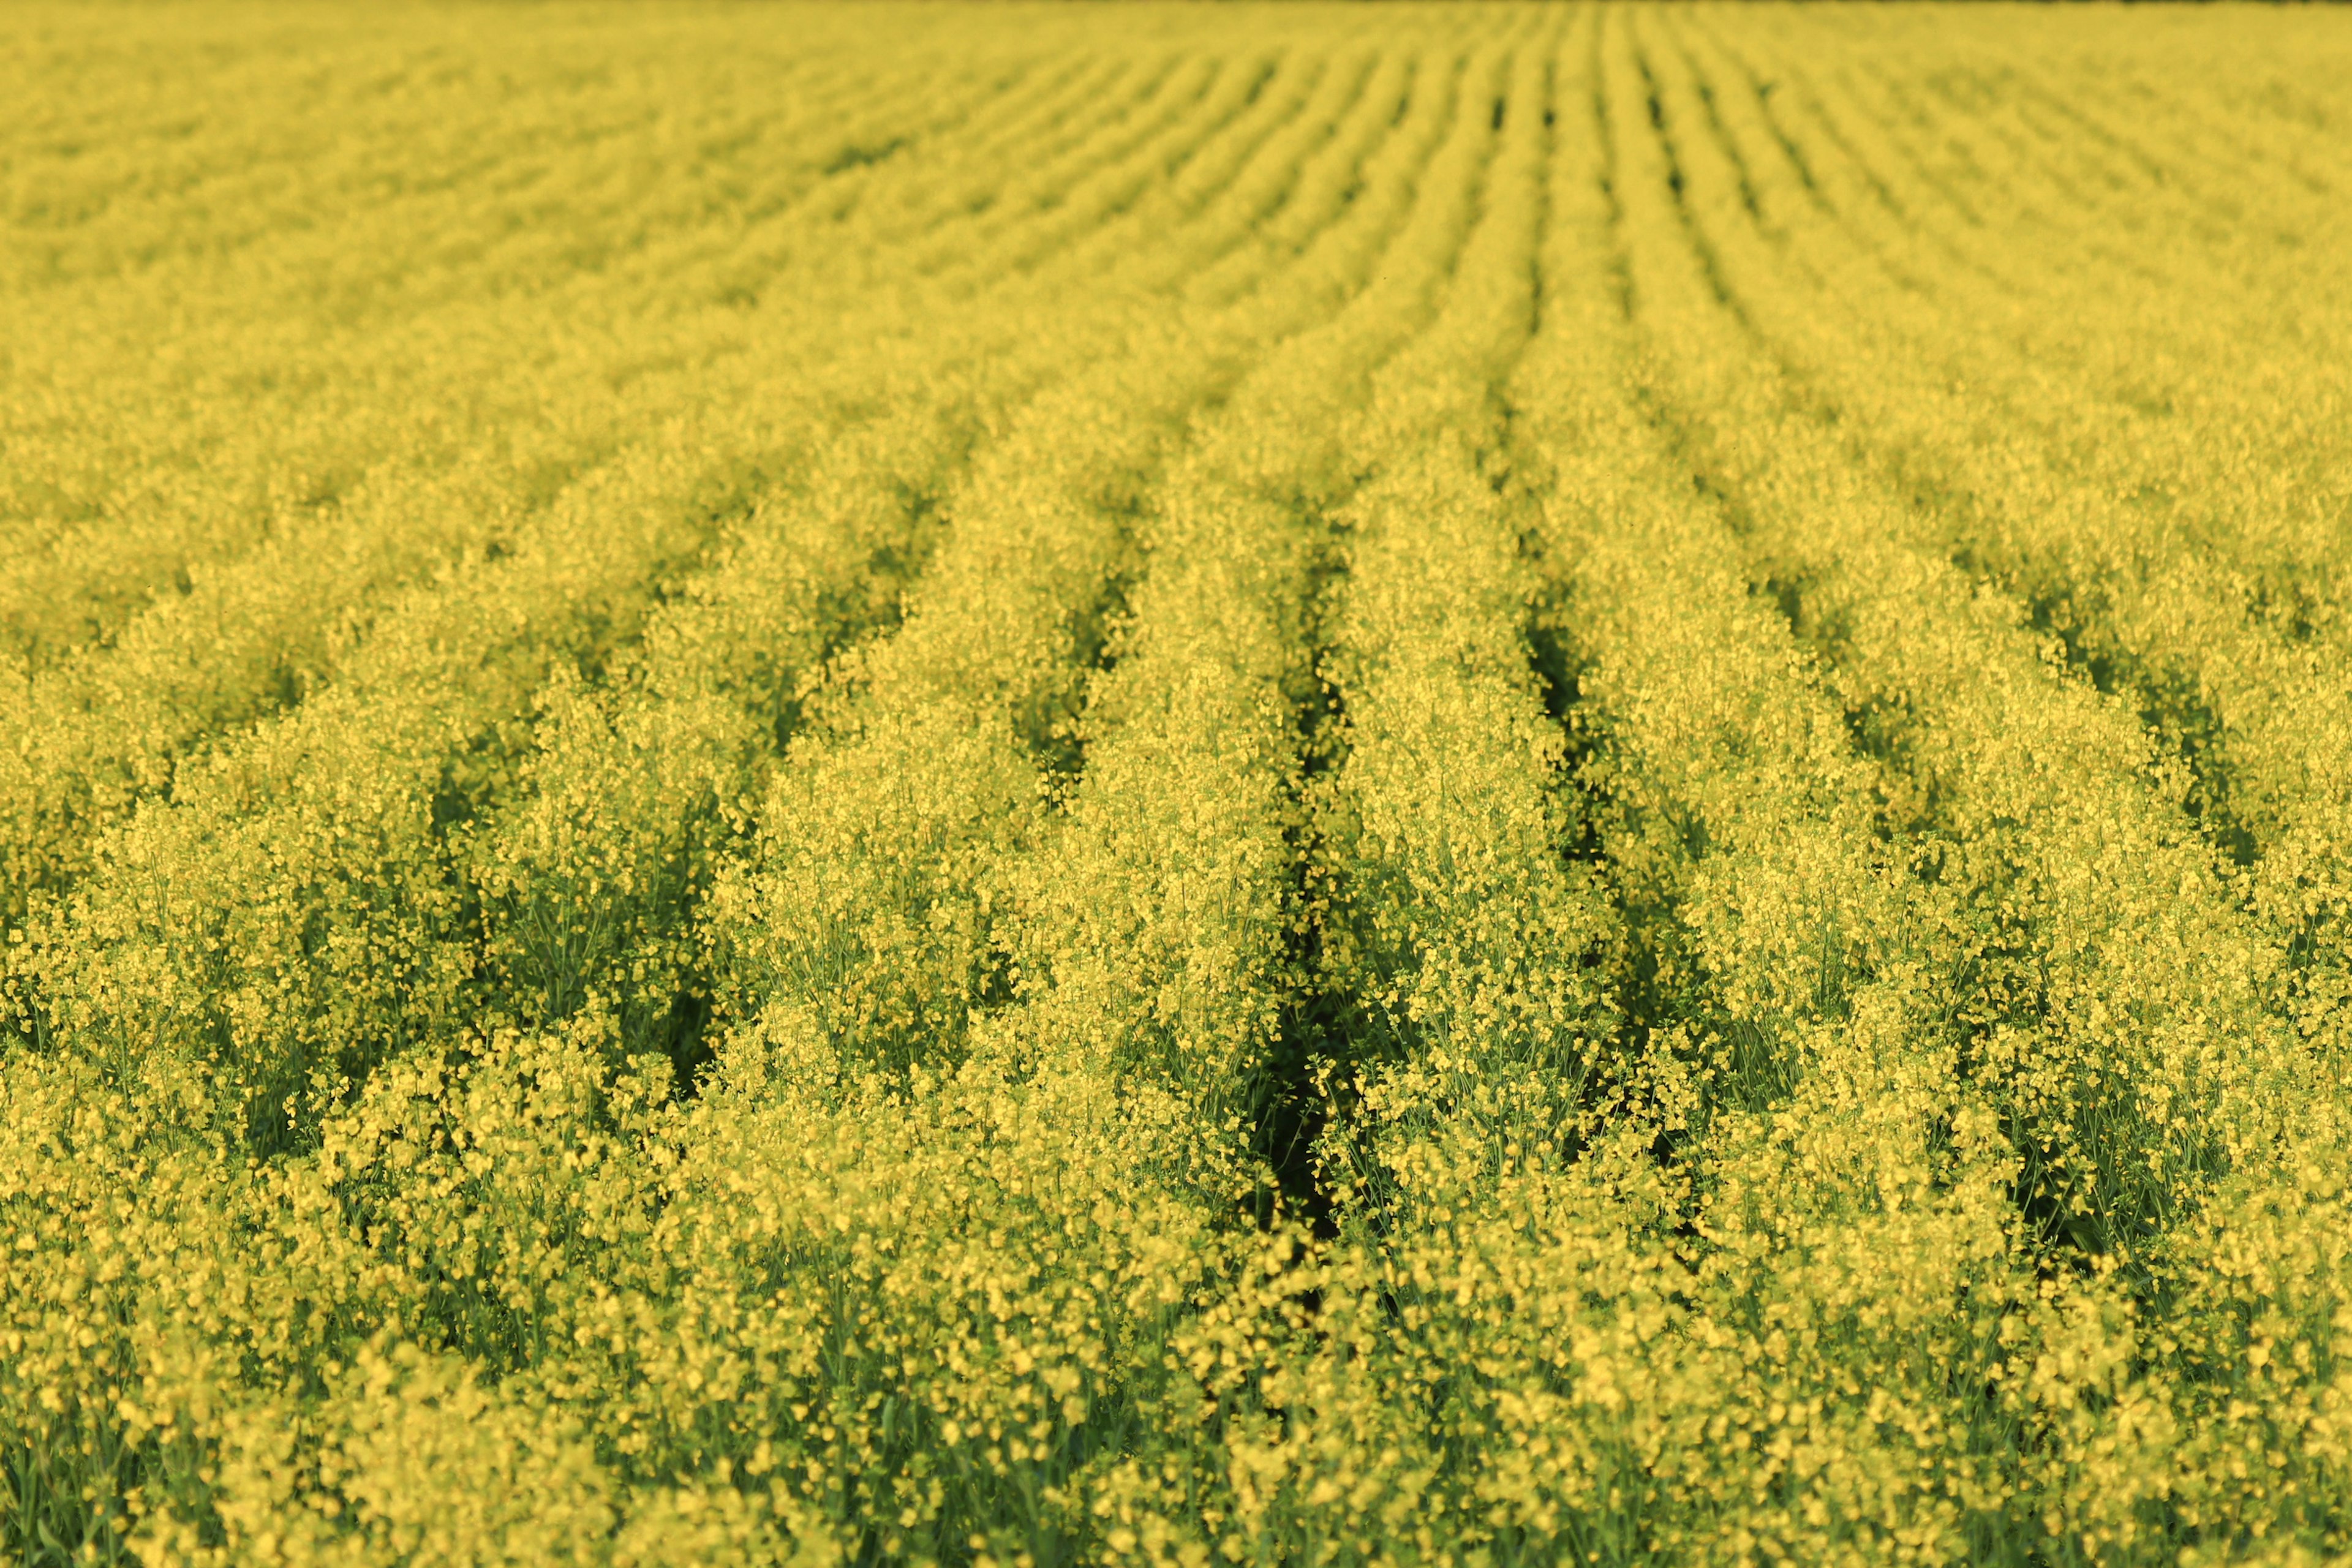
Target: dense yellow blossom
1020	787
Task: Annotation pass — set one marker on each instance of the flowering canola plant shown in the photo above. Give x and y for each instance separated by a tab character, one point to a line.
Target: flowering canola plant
1016	787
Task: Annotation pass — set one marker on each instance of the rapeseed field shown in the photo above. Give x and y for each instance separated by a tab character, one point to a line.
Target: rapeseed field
1147	784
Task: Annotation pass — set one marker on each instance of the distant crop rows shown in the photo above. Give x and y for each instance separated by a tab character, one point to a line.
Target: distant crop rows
1133	785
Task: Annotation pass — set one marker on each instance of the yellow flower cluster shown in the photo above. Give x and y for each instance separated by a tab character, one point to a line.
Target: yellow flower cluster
1405	786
